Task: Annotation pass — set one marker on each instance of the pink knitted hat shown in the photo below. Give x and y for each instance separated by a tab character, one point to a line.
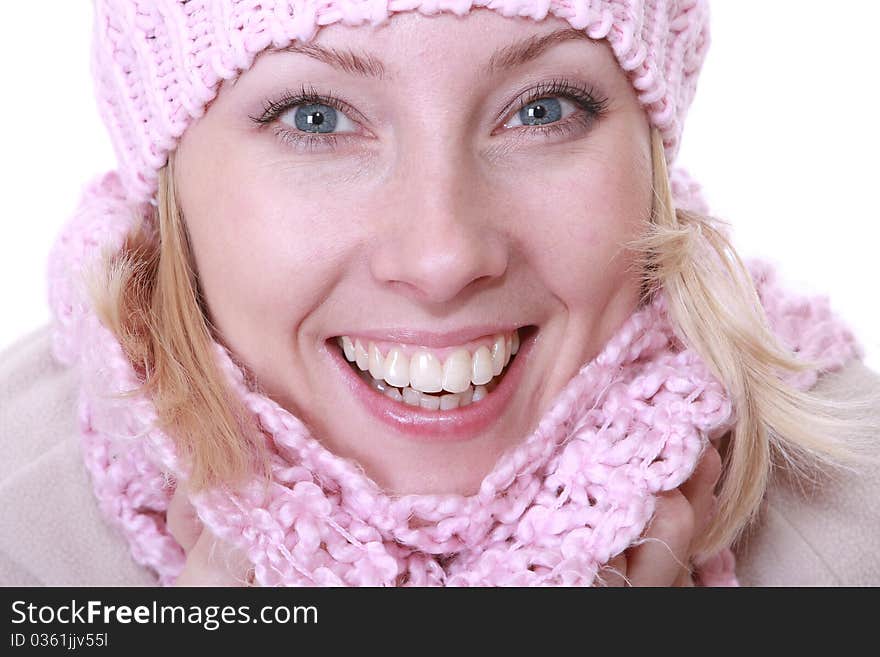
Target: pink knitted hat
158	63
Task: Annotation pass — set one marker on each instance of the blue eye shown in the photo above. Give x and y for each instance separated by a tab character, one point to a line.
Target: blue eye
310	119
545	106
318	118
539	112
315	121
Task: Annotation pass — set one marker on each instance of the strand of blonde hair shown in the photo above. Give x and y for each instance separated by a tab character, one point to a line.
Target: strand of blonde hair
714	306
148	296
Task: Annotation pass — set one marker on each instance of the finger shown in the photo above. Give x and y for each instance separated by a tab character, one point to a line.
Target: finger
211	562
700	487
685	579
183	521
659	559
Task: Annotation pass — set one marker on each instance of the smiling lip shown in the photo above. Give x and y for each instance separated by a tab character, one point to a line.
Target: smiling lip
453	425
435	340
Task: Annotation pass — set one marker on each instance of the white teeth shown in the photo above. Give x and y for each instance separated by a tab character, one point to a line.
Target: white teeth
430	402
499	354
468	378
448	402
457	372
393	393
425	372
377	365
481	372
443	402
361	355
347	347
396	368
411	397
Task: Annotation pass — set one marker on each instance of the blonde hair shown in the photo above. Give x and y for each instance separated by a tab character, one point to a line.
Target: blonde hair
148	295
714	307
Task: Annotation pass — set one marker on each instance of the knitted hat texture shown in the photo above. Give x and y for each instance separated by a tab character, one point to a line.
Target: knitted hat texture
158	63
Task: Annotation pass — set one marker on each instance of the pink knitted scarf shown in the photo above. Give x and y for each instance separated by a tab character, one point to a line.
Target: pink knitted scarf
575	492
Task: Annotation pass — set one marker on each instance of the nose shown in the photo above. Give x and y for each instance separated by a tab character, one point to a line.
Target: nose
440	235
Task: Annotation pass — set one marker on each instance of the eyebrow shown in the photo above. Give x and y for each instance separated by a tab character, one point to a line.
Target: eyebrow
524	51
365	65
369	66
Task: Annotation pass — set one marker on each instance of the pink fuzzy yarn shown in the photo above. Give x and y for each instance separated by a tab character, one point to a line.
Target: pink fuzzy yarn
158	63
570	496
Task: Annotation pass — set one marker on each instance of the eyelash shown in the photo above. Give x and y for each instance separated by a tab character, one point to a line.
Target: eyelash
587	99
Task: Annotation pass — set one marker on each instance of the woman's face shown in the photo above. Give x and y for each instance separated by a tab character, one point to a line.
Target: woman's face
448	187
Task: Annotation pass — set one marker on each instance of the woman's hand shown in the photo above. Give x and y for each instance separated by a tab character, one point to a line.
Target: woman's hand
209	561
681	517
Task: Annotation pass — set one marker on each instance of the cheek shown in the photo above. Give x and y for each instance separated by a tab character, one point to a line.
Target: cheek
576	241
266	256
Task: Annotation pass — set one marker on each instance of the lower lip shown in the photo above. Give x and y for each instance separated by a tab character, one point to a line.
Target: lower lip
457	424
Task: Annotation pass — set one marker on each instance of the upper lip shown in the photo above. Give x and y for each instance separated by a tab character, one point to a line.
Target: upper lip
431	338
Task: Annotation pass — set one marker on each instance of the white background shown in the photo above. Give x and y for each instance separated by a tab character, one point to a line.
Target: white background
783	135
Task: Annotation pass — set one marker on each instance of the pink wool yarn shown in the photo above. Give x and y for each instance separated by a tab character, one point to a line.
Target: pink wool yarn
158	63
575	492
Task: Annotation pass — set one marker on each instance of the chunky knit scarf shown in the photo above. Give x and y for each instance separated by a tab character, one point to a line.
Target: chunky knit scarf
575	492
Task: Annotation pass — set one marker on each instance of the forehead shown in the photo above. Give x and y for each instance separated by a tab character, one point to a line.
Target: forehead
482	39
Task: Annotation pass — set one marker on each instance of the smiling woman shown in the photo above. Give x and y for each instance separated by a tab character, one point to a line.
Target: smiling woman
424	301
448	173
